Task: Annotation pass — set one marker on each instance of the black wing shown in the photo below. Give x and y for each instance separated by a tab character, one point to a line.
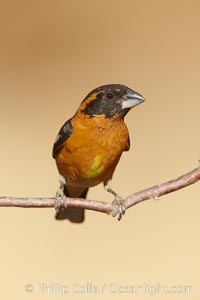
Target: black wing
64	133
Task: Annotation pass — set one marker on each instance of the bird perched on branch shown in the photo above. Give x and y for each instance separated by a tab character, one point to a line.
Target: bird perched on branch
88	146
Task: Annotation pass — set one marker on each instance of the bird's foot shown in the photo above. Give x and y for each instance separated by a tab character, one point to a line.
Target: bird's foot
60	196
119	207
118	202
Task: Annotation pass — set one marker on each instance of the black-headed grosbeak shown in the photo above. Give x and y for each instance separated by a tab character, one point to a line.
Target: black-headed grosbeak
89	145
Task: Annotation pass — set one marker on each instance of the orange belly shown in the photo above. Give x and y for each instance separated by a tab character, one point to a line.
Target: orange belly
90	155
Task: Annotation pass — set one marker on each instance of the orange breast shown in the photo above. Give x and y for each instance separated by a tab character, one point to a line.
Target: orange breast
89	156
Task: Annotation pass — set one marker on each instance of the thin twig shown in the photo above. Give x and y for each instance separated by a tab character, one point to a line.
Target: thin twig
153	192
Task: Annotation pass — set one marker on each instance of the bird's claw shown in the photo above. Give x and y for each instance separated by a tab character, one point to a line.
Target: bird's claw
119	207
60	197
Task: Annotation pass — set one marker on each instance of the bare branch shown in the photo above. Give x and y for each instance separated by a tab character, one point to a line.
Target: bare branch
153	192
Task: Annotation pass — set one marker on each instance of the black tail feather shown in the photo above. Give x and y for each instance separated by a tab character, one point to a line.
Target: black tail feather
74	215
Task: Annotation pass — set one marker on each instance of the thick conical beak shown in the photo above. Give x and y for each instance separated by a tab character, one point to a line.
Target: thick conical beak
131	99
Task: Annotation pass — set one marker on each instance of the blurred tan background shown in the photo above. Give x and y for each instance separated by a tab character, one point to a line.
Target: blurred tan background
52	54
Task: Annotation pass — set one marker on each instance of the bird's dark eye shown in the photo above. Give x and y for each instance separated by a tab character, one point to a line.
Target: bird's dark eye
109	95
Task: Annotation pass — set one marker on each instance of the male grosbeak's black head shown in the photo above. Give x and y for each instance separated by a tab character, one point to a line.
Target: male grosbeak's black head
110	100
